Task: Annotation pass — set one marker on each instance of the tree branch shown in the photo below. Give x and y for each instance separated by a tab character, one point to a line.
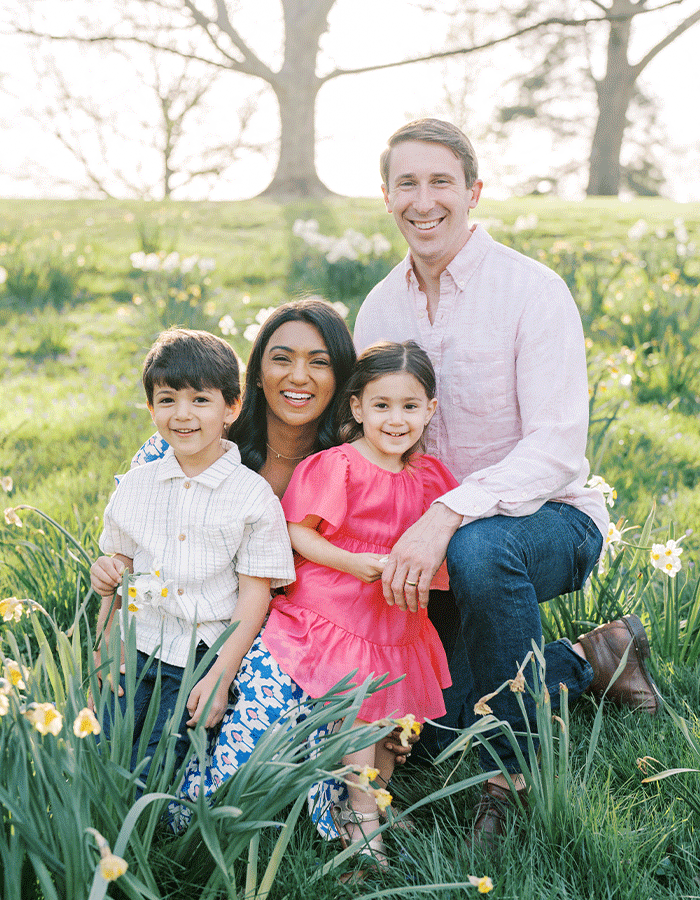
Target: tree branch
444	54
664	42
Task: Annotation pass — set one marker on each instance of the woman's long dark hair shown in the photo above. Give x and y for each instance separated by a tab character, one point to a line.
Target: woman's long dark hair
249	431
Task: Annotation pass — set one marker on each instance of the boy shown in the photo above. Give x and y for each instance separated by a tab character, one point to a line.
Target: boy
206	535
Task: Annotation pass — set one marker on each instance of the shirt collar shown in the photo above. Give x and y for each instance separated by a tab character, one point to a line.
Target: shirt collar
463	264
169	467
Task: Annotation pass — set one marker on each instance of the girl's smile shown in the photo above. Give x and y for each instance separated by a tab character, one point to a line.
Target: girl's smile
393	411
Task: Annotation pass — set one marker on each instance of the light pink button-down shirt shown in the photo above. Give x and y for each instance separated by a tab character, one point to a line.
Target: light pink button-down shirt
508	350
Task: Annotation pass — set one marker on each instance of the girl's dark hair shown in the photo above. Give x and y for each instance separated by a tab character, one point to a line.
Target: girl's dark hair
384	358
249	431
183	358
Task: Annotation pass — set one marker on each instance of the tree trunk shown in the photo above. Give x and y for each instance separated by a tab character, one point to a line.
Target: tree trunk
295	175
296	87
614	95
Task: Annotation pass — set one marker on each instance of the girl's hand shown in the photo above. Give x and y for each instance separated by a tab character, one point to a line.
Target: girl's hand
368	567
199	695
106	574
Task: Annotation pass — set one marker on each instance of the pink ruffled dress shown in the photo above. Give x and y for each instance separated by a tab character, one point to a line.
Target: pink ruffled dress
330	623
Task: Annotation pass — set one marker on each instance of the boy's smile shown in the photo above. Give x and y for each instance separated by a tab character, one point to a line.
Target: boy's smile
192	422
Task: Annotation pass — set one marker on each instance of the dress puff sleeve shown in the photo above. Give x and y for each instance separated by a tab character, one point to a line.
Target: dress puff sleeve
437	479
319	488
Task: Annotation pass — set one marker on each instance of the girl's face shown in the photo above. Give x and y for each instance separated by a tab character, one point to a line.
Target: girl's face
296	374
393	411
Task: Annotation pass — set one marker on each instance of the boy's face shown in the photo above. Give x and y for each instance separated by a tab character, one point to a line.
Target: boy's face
192	422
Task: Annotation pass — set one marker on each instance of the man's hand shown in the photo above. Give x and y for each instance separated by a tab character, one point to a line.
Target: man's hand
416	557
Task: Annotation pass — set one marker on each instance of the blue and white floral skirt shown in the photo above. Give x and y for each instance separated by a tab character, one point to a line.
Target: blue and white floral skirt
263	694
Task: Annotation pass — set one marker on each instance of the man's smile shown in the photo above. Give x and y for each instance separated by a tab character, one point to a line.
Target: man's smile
425	226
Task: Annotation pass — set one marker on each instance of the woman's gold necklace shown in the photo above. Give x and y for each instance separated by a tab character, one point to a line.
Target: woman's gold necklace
288	458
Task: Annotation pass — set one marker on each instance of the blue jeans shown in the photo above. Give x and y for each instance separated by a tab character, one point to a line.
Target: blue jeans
170	683
500	569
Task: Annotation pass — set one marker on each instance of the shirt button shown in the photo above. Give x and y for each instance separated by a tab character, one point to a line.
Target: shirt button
187	484
181	537
180	591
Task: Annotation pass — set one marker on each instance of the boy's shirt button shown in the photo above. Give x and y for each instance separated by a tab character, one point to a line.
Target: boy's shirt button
180	591
187	484
181	537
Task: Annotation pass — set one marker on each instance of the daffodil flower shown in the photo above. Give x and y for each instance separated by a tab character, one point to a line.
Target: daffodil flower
86	723
666	557
600	484
16	674
11	517
408	726
482	883
45	718
112	867
383	798
367	774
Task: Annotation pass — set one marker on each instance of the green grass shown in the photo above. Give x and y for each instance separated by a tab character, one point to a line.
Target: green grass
74	414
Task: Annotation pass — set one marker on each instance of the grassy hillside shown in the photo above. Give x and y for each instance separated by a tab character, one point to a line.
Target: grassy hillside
77	314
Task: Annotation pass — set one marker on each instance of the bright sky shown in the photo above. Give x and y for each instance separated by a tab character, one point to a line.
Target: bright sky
354	114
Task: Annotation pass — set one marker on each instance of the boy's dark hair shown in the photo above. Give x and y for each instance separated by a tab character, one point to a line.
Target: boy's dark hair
384	358
183	358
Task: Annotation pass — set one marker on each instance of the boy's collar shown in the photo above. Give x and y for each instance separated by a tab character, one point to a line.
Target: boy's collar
169	467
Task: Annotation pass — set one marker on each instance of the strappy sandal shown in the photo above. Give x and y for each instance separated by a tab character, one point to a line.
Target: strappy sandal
373	849
399	821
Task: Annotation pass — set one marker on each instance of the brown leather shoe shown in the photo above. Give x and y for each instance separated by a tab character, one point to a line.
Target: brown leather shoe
491	814
604	648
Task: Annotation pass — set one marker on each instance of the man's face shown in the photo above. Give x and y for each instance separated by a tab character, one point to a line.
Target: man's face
430	201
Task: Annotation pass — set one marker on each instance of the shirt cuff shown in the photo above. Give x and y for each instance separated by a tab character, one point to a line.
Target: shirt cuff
471	501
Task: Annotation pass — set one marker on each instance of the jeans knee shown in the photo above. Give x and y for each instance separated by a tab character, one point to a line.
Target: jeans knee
476	560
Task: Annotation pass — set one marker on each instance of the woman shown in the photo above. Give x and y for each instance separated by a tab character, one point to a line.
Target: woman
299	363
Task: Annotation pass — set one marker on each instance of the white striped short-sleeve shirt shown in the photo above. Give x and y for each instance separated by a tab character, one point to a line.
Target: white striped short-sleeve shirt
200	533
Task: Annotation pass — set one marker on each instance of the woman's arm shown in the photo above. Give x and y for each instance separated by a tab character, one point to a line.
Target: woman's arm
251	608
307	541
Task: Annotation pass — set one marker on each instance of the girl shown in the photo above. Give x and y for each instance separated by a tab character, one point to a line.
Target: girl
345	509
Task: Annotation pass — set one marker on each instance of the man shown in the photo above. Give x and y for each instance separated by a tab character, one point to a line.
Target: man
506	341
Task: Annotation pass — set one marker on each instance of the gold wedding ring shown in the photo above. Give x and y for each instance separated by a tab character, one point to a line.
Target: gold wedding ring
412	583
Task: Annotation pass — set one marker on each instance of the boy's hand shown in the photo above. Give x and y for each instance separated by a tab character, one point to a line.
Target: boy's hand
106	574
199	695
97	659
368	567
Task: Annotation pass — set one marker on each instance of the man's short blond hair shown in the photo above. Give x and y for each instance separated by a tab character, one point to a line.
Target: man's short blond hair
434	131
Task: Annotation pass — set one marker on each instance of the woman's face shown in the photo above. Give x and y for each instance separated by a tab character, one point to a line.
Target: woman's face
296	374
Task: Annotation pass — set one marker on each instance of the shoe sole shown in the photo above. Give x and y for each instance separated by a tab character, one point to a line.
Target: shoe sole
641	645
